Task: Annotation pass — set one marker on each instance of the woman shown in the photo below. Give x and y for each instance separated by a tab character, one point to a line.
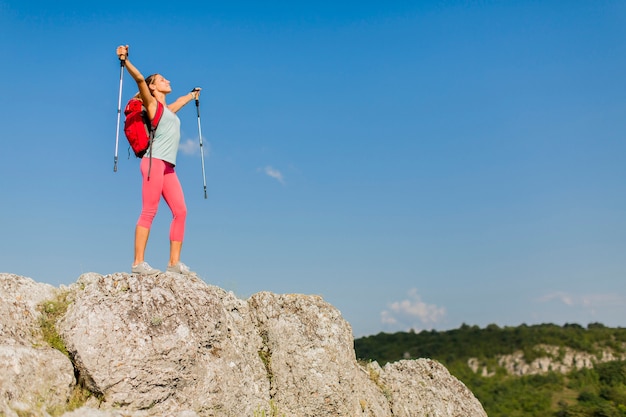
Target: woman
162	179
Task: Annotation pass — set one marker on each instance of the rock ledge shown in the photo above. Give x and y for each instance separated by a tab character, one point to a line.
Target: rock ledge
174	346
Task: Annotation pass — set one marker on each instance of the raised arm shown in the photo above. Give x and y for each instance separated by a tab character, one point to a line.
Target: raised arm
182	100
149	101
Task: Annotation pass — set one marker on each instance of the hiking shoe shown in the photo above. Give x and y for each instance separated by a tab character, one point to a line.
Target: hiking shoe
180	268
144	269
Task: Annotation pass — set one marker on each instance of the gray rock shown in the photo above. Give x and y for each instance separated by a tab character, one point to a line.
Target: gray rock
174	346
165	343
19	298
309	351
32	375
424	387
560	359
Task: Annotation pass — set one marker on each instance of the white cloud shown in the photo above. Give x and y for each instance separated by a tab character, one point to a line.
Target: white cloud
589	301
559	296
192	147
602	300
387	318
607	308
413	312
274	173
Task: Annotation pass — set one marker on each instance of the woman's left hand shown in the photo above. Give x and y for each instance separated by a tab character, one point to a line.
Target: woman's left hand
195	93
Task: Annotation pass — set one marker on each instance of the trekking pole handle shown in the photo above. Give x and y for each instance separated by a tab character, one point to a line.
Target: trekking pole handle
123	55
196	96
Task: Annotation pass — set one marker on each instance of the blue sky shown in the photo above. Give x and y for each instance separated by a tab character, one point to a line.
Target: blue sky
418	164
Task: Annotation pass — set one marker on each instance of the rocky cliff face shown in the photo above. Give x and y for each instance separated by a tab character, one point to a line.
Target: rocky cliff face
173	346
552	358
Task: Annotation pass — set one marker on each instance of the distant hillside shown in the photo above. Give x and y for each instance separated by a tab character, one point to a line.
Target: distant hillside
541	370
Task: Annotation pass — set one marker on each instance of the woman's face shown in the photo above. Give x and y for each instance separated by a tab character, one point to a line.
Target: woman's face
161	84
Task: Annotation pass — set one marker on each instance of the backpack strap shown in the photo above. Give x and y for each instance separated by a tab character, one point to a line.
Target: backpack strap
157	116
154	123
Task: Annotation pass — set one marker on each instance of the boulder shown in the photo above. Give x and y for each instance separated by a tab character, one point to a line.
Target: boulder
170	345
32	374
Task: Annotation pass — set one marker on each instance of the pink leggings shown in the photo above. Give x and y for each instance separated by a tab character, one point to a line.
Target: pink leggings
163	182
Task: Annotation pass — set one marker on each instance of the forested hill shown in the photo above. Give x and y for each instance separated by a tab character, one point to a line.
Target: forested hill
540	370
475	342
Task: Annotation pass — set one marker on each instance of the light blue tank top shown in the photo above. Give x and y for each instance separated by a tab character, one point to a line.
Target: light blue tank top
166	138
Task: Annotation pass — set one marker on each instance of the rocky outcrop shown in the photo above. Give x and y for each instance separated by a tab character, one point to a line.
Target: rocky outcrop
174	346
551	359
33	376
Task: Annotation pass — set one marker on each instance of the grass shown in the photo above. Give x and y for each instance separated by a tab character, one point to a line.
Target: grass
51	311
374	376
273	412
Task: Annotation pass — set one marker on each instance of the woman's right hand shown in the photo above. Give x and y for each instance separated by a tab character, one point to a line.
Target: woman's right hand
122	52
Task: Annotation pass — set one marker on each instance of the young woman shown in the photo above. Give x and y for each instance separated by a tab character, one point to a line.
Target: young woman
162	180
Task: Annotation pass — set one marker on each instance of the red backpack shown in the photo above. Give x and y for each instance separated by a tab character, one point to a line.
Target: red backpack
137	126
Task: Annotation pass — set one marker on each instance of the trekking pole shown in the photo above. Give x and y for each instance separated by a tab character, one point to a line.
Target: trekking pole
119	112
200	136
